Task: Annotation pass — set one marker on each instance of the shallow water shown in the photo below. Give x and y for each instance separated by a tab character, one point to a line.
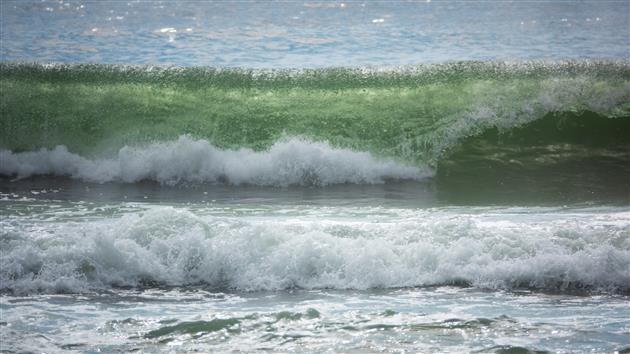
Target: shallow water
396	320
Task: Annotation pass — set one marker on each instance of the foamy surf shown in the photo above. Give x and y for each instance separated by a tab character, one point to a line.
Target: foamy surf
375	248
288	162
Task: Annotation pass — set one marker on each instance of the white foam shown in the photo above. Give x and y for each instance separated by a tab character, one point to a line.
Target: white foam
288	162
177	247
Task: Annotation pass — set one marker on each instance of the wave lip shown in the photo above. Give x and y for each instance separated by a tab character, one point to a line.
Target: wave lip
288	162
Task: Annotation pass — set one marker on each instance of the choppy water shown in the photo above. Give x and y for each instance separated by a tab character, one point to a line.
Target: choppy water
294	206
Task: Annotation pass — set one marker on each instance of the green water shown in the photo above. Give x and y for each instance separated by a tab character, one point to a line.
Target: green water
413	114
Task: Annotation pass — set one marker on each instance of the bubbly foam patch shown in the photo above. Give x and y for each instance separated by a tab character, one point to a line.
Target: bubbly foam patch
170	246
289	162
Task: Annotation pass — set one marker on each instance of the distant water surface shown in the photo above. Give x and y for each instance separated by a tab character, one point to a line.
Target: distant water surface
310	34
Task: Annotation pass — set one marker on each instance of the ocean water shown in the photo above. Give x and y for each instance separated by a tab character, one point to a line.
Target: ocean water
315	177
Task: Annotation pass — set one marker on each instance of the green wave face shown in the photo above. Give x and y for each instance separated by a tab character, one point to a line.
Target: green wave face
413	114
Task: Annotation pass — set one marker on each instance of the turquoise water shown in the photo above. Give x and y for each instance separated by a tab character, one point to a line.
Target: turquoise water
314	177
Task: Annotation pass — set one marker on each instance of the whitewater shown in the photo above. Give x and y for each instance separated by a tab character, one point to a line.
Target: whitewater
353	248
290	162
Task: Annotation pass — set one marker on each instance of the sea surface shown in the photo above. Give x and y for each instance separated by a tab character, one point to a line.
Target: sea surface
357	177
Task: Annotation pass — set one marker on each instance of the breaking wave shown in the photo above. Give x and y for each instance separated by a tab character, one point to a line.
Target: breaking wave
105	123
289	162
165	246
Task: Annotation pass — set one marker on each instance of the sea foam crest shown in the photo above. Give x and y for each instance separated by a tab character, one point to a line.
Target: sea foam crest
172	246
292	161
